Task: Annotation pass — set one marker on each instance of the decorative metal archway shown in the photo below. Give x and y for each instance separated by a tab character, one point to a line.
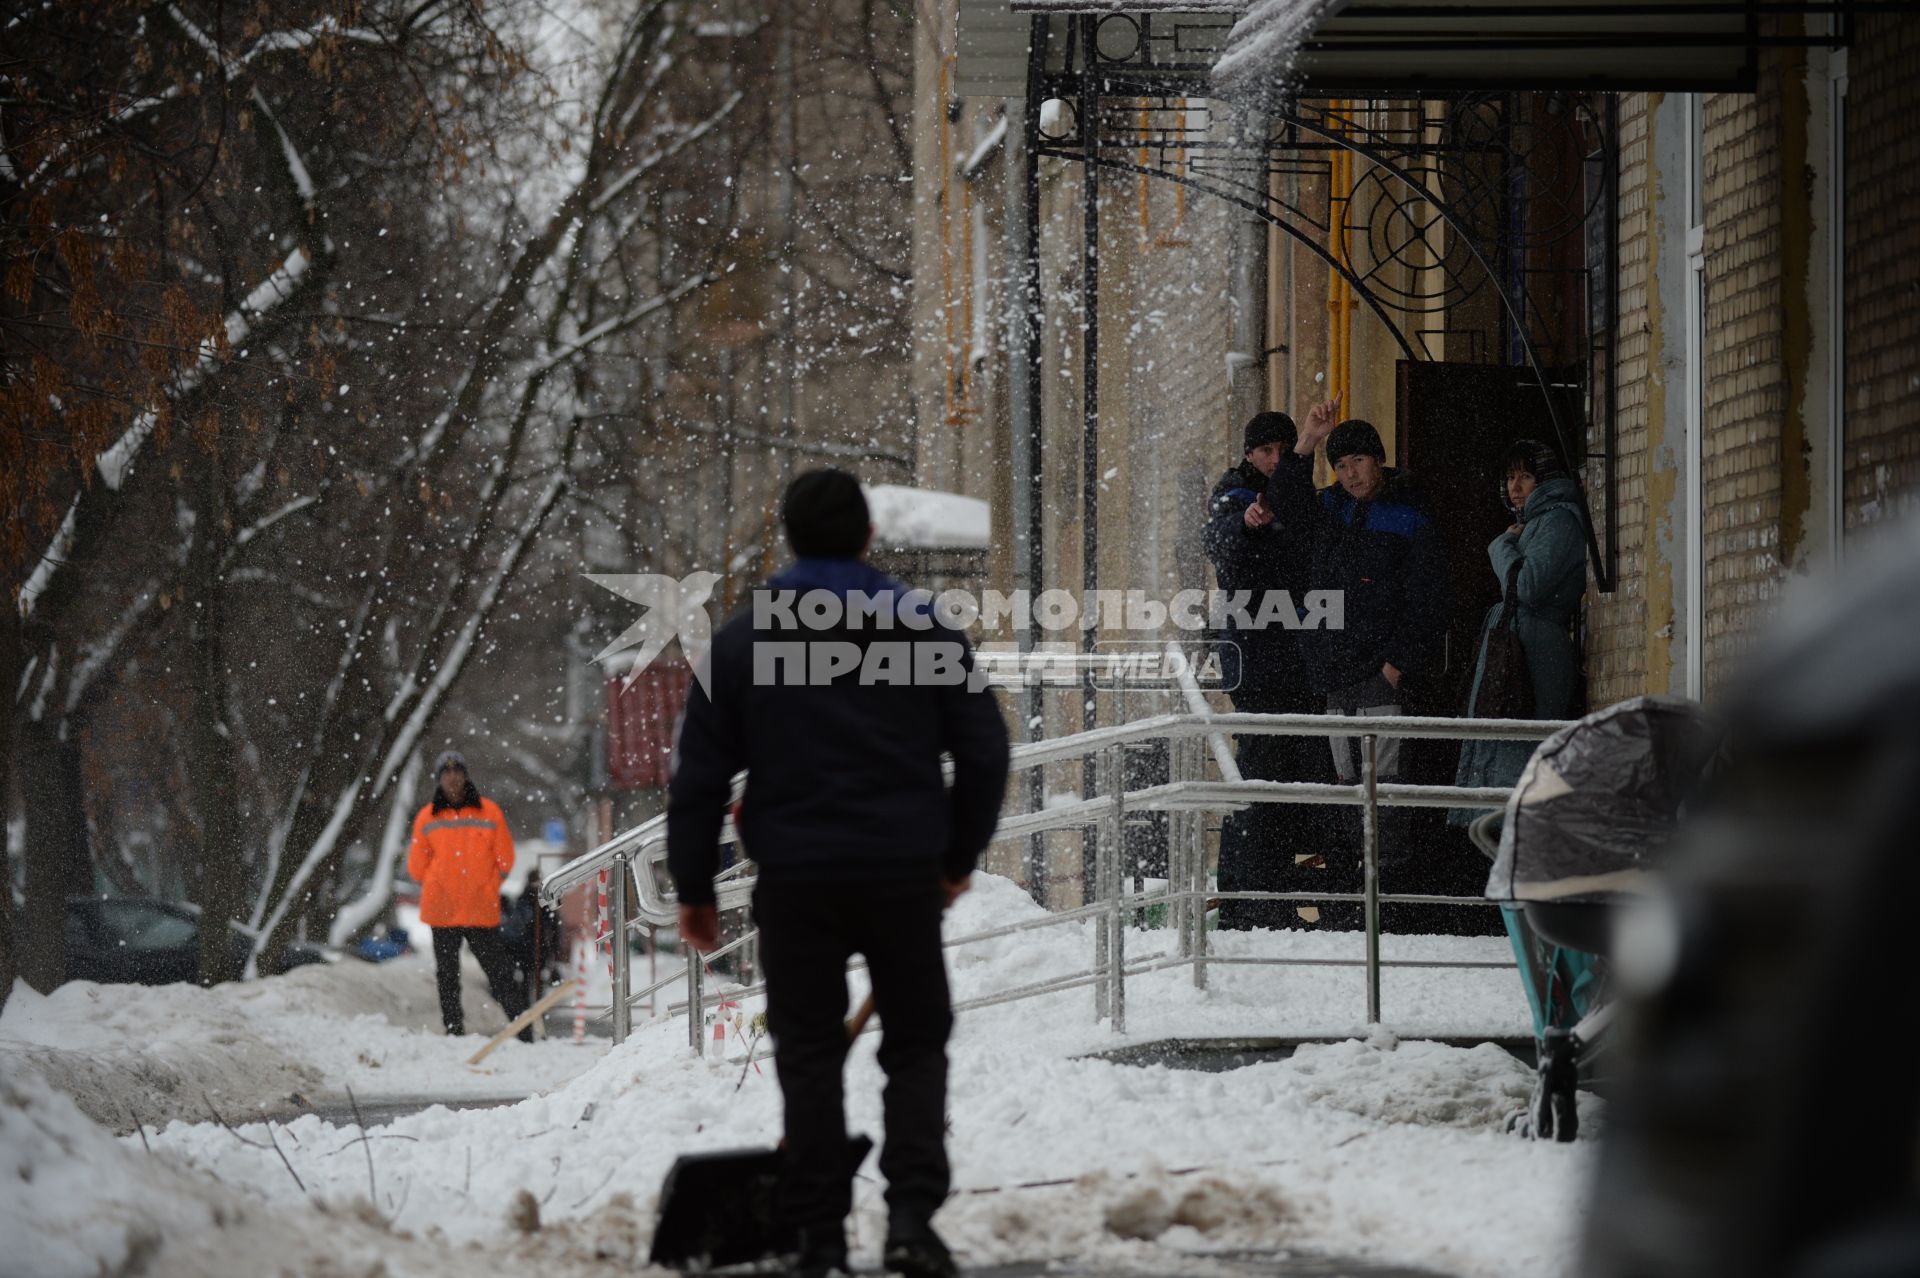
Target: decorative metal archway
1471	198
1499	202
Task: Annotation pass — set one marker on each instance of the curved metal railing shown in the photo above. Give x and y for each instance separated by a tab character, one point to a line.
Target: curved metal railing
1187	796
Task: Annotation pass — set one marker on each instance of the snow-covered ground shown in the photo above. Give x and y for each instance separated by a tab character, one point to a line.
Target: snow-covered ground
1382	1147
153	1054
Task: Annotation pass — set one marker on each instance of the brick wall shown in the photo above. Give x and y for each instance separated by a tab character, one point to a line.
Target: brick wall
1761	439
1616	623
1745	391
1883	270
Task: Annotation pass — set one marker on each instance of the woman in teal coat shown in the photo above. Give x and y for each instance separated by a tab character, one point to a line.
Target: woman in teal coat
1550	541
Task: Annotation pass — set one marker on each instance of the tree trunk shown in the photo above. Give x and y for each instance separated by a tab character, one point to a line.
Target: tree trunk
213	765
353	919
6	928
9	679
56	860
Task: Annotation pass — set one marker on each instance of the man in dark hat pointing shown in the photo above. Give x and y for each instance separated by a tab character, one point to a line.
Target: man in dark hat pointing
1268	847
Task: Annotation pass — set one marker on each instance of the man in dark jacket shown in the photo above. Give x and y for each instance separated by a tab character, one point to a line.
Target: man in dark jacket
1261	846
1373	539
860	846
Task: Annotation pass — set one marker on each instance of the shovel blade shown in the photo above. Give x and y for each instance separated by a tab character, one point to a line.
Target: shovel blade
722	1208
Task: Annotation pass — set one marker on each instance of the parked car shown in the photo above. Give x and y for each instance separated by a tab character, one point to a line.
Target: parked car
391	944
146	941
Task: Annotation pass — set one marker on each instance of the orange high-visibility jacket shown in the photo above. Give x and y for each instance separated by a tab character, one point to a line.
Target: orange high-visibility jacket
458	857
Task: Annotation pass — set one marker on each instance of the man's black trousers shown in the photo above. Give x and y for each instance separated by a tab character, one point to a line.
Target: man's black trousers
808	931
1260	846
490	950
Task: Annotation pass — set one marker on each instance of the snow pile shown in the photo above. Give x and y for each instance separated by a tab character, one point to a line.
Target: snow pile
130	1054
1212	1208
1423	1083
1156	1222
1385	1150
77	1200
1396	1155
912	518
136	1054
80	1204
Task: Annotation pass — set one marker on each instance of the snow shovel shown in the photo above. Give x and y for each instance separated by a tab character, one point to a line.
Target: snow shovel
721	1208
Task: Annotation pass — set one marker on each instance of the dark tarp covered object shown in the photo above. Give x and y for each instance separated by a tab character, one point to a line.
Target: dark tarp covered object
1769	1125
1599	800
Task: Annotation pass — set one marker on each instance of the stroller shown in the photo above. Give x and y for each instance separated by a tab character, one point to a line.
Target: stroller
1582	833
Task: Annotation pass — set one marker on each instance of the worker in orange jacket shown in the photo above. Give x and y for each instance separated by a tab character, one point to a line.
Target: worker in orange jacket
461	851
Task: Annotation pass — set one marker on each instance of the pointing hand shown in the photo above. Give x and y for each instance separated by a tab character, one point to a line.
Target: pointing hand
1319	424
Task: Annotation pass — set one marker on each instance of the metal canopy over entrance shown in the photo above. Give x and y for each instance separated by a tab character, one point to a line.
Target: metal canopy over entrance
1472	226
1476	228
1475	147
1479	135
1323	47
1696	45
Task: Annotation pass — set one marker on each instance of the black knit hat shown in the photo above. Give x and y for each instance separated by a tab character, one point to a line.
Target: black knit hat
1269	428
1537	459
826	515
1355	436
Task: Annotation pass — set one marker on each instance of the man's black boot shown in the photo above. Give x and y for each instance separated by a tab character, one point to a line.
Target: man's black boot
823	1253
914	1251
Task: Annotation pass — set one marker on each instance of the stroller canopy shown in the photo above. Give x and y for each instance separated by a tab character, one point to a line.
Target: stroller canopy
1599	801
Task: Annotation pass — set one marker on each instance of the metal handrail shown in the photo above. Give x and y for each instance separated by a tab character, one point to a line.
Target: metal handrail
1077	745
657	908
644	846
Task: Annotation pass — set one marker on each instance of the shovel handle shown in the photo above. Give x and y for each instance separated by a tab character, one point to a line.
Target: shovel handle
860	1018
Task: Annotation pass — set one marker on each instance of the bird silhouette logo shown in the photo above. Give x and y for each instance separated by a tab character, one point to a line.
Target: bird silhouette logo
675	608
